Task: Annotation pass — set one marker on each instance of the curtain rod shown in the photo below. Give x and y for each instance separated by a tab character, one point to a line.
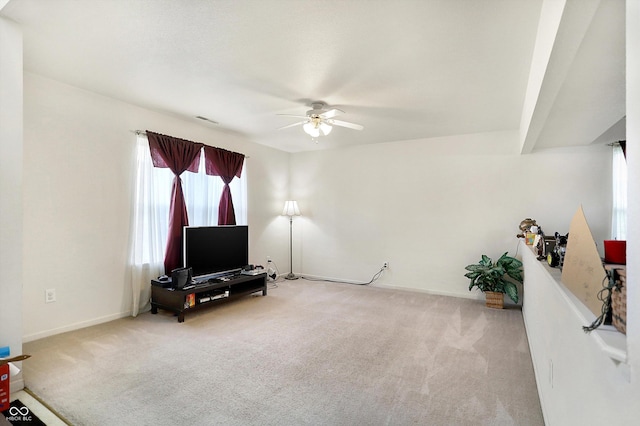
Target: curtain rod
142	132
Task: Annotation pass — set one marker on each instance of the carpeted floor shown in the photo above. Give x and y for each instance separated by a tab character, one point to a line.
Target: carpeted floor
309	353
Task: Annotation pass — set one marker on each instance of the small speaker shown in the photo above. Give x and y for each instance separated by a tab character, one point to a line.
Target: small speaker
181	277
549	244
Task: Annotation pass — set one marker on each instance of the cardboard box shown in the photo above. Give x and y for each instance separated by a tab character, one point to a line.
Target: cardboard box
4	387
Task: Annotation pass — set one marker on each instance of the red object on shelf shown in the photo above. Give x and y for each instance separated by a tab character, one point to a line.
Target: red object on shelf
615	251
4	387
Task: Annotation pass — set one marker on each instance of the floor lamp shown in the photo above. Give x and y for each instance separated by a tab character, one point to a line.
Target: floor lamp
291	210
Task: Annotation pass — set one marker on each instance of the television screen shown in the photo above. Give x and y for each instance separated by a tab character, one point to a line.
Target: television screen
215	250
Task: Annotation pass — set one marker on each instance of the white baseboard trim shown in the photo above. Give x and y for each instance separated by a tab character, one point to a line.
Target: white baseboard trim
475	295
16	384
433	292
76	326
319	277
469	295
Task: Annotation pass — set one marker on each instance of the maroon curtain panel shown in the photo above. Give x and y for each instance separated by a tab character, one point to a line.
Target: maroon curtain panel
179	155
227	165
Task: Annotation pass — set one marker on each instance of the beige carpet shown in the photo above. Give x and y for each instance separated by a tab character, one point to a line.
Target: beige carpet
309	353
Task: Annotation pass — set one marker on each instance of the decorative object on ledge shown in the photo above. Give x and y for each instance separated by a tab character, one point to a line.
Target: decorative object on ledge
499	277
615	251
544	246
555	258
619	300
582	271
604	296
525	227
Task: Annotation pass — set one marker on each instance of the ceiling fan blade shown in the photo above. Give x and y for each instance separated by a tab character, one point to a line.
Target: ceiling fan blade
293	115
292	125
346	124
331	113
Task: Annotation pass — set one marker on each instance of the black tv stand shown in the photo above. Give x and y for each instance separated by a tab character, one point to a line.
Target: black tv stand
205	293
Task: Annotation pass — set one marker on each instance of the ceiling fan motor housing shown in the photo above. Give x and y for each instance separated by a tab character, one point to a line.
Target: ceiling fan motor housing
318	108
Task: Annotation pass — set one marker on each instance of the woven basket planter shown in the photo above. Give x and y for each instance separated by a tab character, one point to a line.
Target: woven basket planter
494	300
619	302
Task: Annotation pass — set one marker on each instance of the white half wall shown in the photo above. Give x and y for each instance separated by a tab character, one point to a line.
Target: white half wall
579	383
78	171
431	207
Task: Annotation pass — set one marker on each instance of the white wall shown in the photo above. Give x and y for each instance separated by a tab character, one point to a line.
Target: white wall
430	207
11	172
78	172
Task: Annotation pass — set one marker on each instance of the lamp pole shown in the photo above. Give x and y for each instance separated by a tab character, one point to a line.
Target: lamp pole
291	210
290	275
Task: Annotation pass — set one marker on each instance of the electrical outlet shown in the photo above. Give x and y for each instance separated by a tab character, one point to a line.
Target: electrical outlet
268	259
50	295
385	265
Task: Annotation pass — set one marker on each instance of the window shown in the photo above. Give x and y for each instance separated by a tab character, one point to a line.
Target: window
619	179
150	221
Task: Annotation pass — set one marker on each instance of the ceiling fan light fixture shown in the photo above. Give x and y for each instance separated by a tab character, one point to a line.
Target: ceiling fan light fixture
311	129
325	128
319	122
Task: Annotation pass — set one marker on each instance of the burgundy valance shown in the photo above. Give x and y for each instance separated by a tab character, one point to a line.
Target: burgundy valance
223	163
177	154
227	165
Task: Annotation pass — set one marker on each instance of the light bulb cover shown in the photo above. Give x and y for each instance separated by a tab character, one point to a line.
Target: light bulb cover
325	128
308	127
291	208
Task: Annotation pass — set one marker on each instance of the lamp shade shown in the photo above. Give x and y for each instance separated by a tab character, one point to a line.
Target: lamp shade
291	209
311	129
325	128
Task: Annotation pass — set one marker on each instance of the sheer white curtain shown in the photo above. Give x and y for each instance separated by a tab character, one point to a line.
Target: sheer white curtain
619	212
202	196
150	221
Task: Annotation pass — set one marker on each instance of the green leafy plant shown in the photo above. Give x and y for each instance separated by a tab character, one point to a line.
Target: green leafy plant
499	277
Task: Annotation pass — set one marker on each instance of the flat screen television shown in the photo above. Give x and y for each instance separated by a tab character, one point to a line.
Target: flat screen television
215	250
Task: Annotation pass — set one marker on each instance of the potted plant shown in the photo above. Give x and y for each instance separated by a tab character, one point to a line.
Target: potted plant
496	279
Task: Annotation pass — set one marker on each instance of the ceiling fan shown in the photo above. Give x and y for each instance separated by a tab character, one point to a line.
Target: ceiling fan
320	121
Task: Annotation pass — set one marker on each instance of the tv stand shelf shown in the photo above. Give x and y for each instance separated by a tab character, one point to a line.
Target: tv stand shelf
205	295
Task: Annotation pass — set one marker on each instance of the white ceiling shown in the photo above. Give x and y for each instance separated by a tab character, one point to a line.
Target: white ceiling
404	69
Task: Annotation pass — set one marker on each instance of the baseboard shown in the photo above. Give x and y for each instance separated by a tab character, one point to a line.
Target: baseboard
76	326
16	384
395	287
434	292
332	279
